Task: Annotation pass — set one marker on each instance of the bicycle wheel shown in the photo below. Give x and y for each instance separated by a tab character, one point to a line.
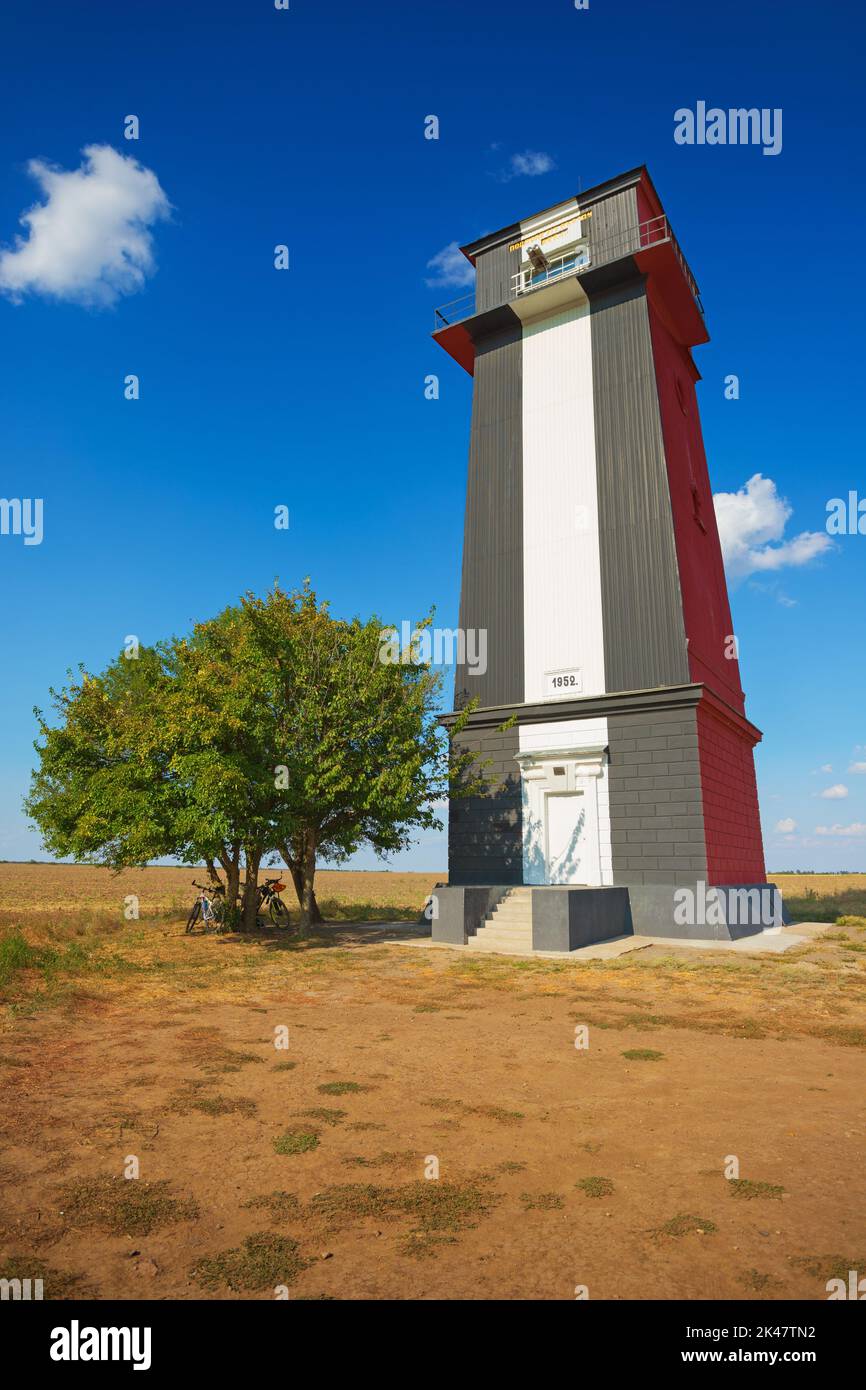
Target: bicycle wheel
194	915
279	913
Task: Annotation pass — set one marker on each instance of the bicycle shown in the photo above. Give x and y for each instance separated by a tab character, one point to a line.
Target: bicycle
209	906
268	892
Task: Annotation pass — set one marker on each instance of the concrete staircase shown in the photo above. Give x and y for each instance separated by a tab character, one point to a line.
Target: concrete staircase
509	926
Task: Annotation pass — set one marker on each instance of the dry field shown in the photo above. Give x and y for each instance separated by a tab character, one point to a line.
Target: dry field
28	890
125	1043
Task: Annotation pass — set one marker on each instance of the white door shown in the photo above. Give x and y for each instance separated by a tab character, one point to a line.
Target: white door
566	837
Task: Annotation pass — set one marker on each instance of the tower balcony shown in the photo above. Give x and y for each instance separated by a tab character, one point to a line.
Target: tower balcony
536	289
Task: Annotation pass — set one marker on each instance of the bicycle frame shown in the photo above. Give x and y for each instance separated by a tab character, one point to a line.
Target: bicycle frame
207	912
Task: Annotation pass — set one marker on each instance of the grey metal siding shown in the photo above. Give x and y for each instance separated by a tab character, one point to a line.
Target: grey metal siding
485	833
611	218
656	809
491	595
493	272
644	632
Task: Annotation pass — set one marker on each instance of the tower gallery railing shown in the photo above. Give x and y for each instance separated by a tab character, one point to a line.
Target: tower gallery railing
655	231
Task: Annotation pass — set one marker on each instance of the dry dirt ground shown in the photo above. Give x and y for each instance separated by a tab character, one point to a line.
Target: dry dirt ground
304	1168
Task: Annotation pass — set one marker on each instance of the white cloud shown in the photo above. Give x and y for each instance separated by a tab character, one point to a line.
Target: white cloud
89	241
531	163
826	767
450	267
856	829
837	793
786	827
857	767
752	526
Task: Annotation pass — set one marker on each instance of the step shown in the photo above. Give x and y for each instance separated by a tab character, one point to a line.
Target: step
522	945
506	933
523	914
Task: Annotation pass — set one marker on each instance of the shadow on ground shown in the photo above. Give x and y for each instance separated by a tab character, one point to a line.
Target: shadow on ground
341	934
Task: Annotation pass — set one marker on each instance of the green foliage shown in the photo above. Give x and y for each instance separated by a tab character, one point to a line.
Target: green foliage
272	728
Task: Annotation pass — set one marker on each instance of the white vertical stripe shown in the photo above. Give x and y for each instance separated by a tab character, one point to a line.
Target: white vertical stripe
562	614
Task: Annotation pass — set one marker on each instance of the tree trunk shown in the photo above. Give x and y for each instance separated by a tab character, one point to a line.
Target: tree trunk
251	895
298	880
212	873
294	864
309	874
231	864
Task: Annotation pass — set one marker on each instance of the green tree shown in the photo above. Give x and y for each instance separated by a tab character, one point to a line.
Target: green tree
361	754
272	728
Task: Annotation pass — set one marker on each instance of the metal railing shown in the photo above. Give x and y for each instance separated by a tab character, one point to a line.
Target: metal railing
455	311
558	268
641	236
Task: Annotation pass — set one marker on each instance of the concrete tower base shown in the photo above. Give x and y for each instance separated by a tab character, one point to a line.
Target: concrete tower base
566	917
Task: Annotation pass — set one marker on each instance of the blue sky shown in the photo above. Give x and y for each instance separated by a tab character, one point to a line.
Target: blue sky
306	387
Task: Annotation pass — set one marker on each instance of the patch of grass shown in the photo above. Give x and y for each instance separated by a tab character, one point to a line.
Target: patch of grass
224	1105
52	963
55	1284
542	1201
433	1206
826	1267
363	1126
643	1054
16	954
225	1060
124	1206
327	1117
343	1203
390	1158
280	1205
262	1261
199	1033
595	1187
194	1096
284	1066
745	1188
484	1112
510	1165
495	1112
842	1033
296	1141
757	1283
341	1088
683	1224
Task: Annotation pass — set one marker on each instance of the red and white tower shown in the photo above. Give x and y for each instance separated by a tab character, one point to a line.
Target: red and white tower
592	561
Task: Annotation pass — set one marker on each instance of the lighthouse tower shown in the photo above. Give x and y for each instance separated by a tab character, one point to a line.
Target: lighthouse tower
609	718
